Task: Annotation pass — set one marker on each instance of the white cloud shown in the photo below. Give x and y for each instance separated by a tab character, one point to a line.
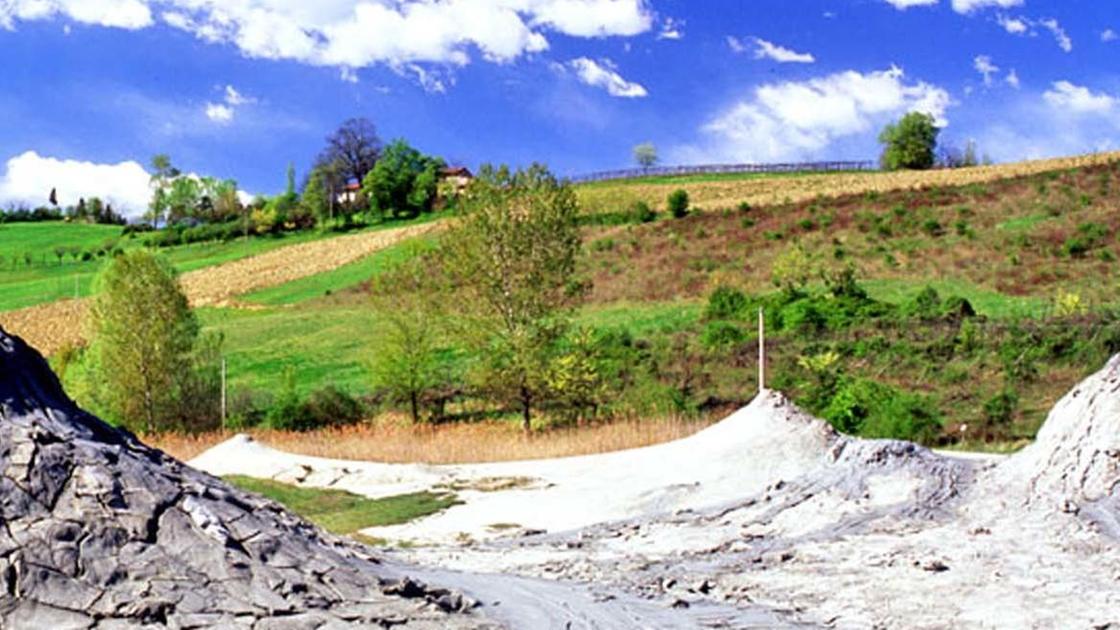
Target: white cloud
1015	26
960	6
1012	79
1026	26
348	75
968	6
1060	36
605	75
902	5
219	113
769	50
983	64
224	112
801	120
1109	35
361	33
29	178
671	29
127	14
736	45
1078	99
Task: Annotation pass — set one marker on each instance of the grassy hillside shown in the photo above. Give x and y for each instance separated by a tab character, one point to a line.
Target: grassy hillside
46	279
891	348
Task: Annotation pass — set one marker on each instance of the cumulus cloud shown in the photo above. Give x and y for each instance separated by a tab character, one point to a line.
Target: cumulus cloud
1109	35
768	50
360	33
29	178
983	64
736	45
127	14
605	75
224	112
1066	119
1078	99
801	120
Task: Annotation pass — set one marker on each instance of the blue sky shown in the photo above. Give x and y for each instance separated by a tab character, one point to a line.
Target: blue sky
239	88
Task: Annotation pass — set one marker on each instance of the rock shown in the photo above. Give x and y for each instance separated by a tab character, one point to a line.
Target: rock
103	531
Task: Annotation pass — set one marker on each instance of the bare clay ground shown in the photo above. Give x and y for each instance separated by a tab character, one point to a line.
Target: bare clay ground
49	327
772	519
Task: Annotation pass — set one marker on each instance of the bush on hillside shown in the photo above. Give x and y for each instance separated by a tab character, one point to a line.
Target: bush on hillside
640	212
870	409
678	203
726	303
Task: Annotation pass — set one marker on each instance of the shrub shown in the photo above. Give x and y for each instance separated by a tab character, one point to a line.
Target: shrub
744	207
678	203
1088	237
933	227
999	410
640	212
725	303
720	335
871	409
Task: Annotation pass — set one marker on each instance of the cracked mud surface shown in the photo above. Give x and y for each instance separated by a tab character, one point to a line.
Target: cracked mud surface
99	531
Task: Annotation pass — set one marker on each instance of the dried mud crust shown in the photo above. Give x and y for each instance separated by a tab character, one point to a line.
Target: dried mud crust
100	531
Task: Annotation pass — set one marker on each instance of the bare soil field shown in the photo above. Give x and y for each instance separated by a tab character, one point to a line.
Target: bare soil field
50	327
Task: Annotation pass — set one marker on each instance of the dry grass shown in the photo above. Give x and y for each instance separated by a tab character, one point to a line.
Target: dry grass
777	190
393	440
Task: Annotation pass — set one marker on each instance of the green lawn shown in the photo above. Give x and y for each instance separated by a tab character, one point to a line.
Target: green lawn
341	512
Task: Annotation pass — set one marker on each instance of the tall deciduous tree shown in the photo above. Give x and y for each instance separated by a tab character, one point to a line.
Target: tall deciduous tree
514	254
354	147
402	183
910	143
143	337
645	154
409	364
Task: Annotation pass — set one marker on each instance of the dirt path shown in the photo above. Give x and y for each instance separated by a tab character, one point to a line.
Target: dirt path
49	327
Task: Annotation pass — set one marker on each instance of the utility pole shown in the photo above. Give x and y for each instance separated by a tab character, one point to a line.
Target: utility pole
223	393
761	351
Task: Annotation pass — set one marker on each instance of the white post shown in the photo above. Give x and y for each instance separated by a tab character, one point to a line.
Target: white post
223	393
761	352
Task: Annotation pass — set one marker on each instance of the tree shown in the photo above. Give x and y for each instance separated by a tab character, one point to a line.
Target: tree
645	154
354	147
408	365
402	183
144	338
162	176
909	143
514	256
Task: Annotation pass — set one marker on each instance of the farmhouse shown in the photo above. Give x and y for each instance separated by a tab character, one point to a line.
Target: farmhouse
455	178
349	193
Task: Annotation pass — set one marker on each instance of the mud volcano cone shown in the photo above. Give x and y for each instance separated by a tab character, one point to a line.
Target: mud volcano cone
99	531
